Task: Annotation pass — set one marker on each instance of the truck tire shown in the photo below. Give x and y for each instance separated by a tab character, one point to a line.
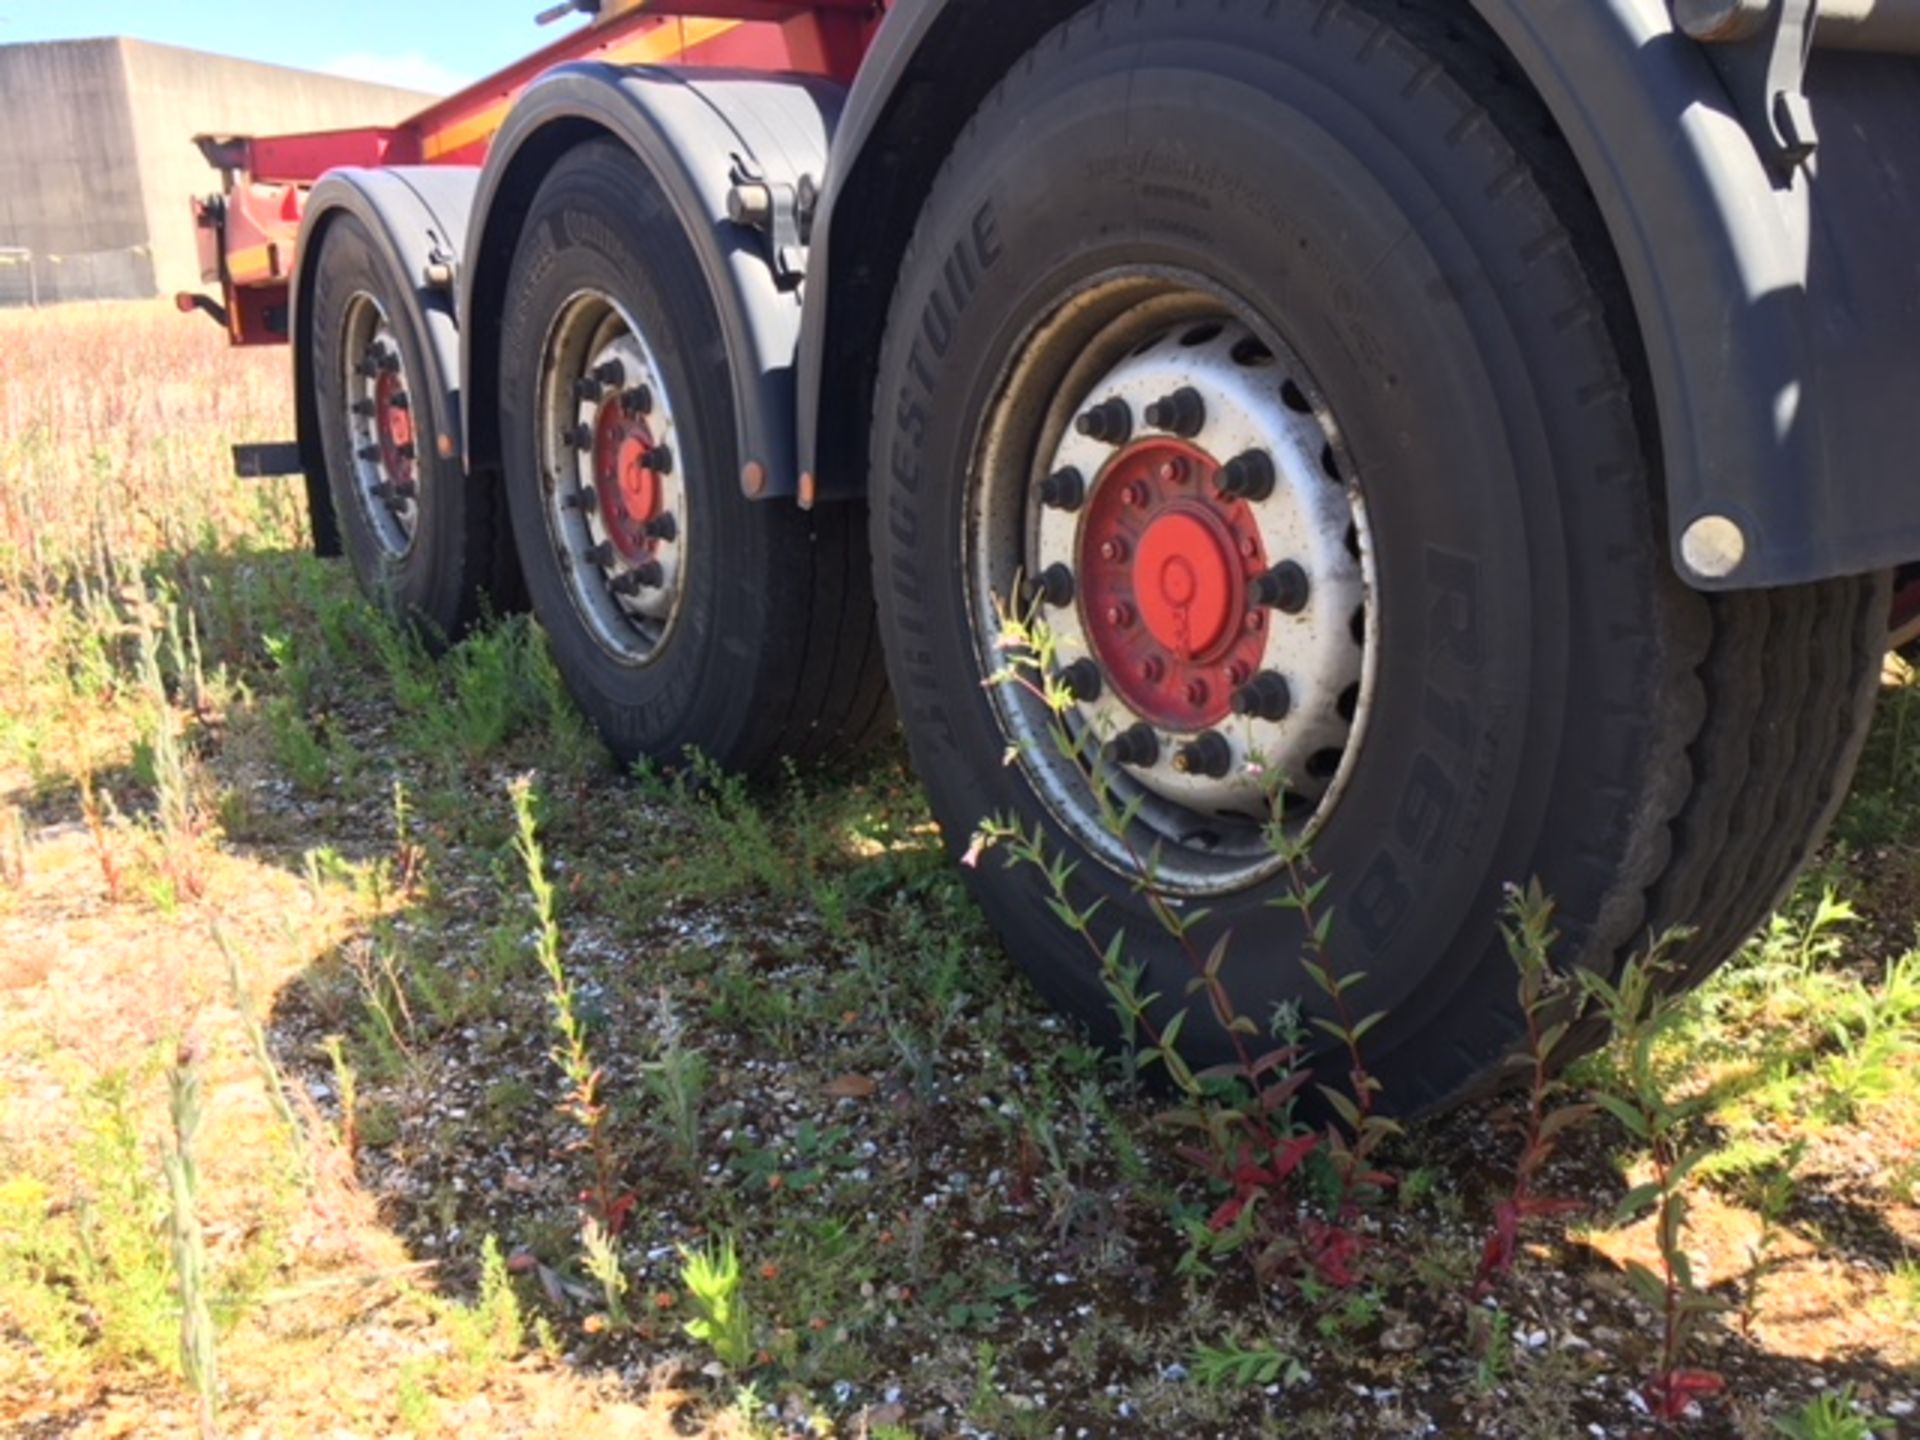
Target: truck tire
423	541
682	615
1274	352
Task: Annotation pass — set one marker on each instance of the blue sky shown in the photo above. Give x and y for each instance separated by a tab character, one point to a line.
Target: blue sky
425	46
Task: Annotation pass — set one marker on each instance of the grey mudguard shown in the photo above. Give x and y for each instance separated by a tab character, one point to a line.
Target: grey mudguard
1780	312
417	215
692	130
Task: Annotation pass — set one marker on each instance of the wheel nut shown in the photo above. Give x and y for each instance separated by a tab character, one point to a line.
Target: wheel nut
1064	489
1055	586
369	452
405	450
659	460
1183	412
580	436
400	400
1206	754
1120	615
588	389
585	498
601	554
1152	669
1196	692
1248	476
1114	549
1110	422
610	373
1284	587
637	401
1137	745
1082	680
1265	697
1136	495
363	408
387	363
661	527
647	575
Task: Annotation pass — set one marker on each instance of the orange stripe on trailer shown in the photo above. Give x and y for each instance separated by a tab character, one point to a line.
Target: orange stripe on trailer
255	262
672	38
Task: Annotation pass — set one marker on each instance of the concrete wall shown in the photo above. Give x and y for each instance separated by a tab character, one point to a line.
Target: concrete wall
97	161
69	184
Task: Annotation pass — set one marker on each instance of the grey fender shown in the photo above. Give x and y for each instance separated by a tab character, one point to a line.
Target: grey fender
692	131
1779	313
417	215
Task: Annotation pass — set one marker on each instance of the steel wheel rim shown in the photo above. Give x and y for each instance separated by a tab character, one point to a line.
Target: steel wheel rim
1140	337
379	423
611	474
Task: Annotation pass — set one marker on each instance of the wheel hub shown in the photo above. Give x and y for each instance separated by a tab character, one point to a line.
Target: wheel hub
1201	548
617	497
628	488
1166	560
379	426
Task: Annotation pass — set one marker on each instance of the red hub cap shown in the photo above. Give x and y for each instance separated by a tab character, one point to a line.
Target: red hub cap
627	486
1164	569
393	424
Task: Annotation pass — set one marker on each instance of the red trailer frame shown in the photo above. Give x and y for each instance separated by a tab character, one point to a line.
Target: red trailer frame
247	232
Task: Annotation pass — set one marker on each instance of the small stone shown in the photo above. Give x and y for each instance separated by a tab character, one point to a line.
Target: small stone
1403	1337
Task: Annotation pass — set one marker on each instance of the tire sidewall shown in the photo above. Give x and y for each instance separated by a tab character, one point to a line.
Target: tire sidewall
429	584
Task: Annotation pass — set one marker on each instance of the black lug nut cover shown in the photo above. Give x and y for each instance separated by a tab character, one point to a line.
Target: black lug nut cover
637	401
588	388
659	460
1138	745
580	436
1284	587
1110	422
1265	697
662	527
1082	680
610	372
1183	413
1248	475
1064	489
1055	585
647	575
1206	754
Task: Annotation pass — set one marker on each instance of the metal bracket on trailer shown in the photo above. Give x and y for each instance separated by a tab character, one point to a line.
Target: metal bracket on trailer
1761	48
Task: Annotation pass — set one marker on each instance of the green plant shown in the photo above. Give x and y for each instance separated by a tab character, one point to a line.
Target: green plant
1493	1339
1638	1099
1241	1110
491	1330
1528	934
198	1360
1232	1365
346	1085
711	1276
1832	1415
677	1081
607	1204
1776	1192
263	1061
602	1260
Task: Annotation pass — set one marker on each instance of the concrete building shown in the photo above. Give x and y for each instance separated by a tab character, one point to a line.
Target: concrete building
97	161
